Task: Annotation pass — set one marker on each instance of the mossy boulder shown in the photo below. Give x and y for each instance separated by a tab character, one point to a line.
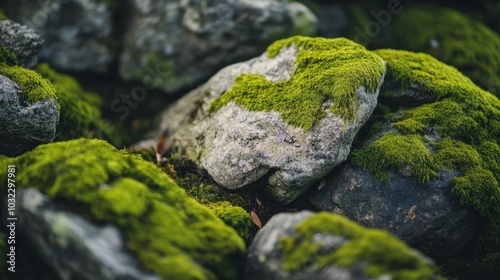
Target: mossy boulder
305	245
169	232
29	112
451	140
72	245
282	120
454	39
235	217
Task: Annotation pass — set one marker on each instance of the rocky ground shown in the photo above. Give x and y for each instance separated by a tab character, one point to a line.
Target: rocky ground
236	139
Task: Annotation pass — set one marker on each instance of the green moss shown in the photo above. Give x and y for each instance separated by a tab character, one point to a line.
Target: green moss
7	57
170	233
464	43
394	152
326	69
33	85
381	252
235	217
80	109
2	15
467	121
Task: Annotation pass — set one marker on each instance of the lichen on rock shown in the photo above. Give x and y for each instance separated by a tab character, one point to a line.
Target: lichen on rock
170	233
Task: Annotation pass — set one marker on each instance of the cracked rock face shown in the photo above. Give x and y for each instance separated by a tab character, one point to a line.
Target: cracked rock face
23	41
24	124
175	45
238	147
77	33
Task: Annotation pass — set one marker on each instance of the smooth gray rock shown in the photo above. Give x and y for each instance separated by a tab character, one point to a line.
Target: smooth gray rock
174	45
23	41
77	33
74	247
238	147
23	124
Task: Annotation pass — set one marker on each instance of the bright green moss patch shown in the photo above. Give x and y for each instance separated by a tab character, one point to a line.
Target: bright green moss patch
454	39
326	70
394	152
80	109
381	252
235	217
33	85
460	131
170	233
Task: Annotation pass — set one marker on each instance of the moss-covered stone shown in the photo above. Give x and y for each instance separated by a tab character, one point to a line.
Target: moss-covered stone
379	251
80	109
326	69
452	38
466	120
170	233
34	86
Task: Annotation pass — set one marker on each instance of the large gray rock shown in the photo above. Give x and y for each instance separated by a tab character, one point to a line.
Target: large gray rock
266	258
426	216
174	44
238	147
24	124
74	247
23	41
77	33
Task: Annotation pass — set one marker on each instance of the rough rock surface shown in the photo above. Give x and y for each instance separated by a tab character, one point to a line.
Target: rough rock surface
175	45
24	124
425	216
77	33
238	147
266	257
64	239
23	41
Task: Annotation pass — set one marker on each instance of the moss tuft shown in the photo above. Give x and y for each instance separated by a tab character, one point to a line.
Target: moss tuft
171	234
33	85
235	217
380	252
326	70
395	152
454	39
